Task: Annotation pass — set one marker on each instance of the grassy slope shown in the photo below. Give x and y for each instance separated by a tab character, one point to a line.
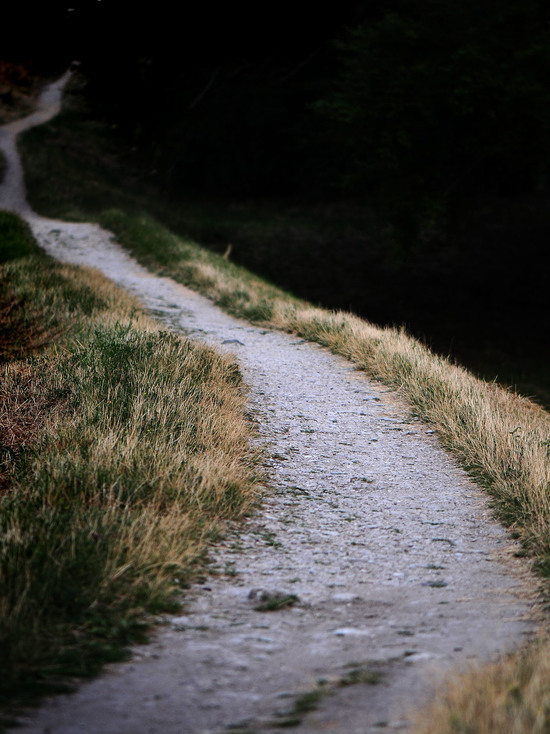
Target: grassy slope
500	437
123	451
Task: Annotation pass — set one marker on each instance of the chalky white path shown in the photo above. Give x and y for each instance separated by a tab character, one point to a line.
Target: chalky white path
389	546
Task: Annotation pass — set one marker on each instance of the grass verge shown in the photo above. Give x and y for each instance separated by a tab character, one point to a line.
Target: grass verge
123	451
508	697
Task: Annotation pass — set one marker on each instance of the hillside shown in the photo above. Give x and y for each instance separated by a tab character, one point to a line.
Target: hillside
498	436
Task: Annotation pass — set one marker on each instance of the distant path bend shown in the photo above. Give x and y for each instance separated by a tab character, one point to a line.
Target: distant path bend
399	567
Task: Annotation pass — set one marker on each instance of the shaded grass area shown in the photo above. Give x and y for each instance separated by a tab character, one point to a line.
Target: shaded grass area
469	300
123	452
21	331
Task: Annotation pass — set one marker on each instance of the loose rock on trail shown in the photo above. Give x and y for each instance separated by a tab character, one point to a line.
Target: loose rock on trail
373	567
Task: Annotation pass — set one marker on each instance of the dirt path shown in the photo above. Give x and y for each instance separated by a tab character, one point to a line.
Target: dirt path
399	570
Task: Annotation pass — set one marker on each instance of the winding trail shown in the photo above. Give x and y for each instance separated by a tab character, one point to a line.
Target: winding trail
398	565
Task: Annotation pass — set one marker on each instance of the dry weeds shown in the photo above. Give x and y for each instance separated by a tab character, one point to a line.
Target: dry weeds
18	90
508	697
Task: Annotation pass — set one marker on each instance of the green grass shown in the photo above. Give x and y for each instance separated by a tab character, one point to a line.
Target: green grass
16	238
123	452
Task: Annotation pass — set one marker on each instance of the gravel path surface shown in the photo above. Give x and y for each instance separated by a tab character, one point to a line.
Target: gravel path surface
399	570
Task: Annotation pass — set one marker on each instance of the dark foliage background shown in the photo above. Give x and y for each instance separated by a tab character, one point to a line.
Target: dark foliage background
425	124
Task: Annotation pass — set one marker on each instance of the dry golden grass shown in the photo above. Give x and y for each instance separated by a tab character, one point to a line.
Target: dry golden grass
508	697
124	453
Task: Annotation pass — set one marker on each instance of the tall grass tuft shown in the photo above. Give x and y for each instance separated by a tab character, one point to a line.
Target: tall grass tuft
508	697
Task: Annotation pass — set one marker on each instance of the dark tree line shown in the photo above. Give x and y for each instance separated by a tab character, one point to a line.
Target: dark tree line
416	105
438	102
431	117
419	107
434	115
